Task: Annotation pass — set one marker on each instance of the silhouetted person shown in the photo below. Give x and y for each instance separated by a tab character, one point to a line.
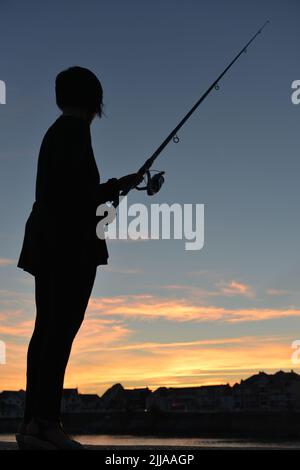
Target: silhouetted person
62	251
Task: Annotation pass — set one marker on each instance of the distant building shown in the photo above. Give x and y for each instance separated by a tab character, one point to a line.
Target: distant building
118	398
272	392
260	392
12	404
91	403
70	402
205	398
215	397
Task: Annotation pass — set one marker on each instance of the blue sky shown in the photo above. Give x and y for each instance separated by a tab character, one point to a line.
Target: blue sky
238	155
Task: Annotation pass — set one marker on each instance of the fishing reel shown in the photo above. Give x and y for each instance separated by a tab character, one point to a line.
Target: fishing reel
153	183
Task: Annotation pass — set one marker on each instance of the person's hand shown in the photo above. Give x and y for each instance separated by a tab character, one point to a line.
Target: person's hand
130	181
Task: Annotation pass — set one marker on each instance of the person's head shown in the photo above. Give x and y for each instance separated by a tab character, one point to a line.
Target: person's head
77	88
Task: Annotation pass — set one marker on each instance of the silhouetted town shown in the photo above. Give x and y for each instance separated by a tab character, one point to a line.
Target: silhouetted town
260	392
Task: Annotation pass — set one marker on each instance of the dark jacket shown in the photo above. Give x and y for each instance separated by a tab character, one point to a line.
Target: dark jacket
61	228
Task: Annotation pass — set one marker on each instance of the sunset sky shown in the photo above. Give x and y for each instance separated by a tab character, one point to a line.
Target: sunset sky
161	315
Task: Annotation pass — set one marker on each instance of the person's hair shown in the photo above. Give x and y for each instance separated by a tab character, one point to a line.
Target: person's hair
79	87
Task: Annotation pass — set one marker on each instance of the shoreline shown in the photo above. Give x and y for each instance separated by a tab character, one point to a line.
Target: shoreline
249	425
10	446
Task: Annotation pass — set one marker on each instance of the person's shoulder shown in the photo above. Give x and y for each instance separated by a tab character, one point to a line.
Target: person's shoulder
69	122
67	127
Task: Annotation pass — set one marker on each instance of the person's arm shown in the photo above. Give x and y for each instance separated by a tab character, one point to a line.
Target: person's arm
82	151
108	191
72	186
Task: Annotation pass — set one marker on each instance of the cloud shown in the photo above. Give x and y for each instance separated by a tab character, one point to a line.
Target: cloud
124	270
20	330
108	350
98	334
148	307
186	363
224	289
234	288
94	338
6	262
277	292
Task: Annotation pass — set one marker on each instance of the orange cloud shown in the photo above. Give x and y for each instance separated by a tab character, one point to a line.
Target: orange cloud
21	330
178	364
6	261
95	334
227	289
143	307
104	353
277	292
106	350
233	288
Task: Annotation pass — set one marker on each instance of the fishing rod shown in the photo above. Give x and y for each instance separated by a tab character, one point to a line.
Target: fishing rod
155	182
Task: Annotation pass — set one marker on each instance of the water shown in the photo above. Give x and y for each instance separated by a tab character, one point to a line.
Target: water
172	441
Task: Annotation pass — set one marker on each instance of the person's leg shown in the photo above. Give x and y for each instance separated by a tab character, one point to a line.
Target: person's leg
70	290
35	345
62	299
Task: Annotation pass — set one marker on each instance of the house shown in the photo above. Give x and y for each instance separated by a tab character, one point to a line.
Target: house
173	399
114	398
90	403
12	404
260	392
215	397
71	402
119	398
202	398
136	398
272	392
